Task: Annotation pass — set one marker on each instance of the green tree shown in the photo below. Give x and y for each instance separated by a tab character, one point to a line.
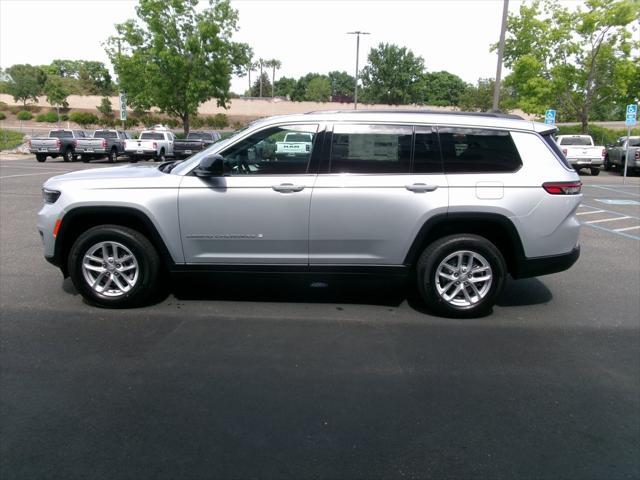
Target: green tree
392	75
262	83
300	91
318	90
274	65
26	82
284	87
478	97
442	89
94	78
176	56
578	61
342	84
105	108
57	93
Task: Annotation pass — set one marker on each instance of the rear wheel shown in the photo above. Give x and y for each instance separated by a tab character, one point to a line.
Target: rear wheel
84	158
68	155
607	163
114	266
461	275
595	172
112	156
40	157
161	157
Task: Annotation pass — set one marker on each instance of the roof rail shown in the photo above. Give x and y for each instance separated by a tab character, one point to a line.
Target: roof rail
430	112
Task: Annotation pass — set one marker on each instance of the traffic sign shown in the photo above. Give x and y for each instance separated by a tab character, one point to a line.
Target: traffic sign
123	107
632	109
550	117
631	120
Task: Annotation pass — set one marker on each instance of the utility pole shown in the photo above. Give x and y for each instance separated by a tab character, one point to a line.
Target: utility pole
503	31
357	33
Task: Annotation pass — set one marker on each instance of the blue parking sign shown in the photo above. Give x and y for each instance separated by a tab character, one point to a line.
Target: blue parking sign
631	120
550	117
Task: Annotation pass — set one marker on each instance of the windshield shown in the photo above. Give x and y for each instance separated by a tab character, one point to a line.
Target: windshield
634	142
105	134
188	164
583	141
199	136
298	137
60	134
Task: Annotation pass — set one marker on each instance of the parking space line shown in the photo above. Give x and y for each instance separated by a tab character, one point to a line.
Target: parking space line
613	212
625	229
622	234
607	220
589	213
614	190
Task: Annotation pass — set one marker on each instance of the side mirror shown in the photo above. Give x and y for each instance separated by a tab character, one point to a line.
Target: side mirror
211	166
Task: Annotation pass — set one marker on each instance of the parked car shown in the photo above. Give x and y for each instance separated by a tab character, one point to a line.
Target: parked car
294	144
195	142
156	144
103	143
615	156
58	143
454	202
581	152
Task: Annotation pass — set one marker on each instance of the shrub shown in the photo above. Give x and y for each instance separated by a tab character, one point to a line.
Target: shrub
83	118
50	117
220	121
2	116
64	117
33	108
14	109
3	106
24	115
173	122
197	122
10	139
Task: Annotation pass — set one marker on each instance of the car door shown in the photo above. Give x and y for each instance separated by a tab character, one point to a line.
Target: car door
258	212
369	202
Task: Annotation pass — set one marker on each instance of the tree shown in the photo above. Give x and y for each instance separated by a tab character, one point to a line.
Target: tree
342	84
105	107
57	93
261	83
284	87
26	82
176	57
274	64
442	89
94	78
578	61
318	90
478	97
392	75
300	91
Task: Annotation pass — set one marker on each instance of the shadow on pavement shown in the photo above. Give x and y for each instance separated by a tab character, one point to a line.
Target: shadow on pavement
519	293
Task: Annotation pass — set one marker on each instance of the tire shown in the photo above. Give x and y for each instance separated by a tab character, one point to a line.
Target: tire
607	164
84	158
161	157
595	172
133	159
476	251
68	155
131	283
112	156
40	158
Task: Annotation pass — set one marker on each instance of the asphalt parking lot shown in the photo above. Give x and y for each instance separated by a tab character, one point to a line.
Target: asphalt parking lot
269	379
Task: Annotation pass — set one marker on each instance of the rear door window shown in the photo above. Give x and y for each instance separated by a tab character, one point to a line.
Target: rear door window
477	150
426	152
371	149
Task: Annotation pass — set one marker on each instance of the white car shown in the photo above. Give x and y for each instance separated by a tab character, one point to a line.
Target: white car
156	144
581	152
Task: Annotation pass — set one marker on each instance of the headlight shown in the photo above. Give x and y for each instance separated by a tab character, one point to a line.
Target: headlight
50	196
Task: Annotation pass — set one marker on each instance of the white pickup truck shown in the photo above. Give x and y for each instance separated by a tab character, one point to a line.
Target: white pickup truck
581	152
156	144
294	144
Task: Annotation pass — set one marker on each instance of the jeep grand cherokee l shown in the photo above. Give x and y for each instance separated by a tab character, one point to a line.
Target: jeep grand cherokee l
455	201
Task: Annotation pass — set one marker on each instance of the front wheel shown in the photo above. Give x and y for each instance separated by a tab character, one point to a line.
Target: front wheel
595	172
607	164
112	156
114	266
161	157
461	275
68	155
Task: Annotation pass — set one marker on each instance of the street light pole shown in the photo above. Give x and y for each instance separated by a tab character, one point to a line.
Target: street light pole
357	33
503	30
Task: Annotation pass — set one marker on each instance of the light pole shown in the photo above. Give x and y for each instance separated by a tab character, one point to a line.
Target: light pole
503	29
357	33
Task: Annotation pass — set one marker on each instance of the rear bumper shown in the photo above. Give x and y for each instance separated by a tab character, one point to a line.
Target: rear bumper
534	267
586	162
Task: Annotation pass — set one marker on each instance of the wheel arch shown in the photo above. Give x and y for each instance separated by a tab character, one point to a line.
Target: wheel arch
496	228
80	219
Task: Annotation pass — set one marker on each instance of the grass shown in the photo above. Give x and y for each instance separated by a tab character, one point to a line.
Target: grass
10	139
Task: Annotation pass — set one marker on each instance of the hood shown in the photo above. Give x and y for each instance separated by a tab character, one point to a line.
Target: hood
130	171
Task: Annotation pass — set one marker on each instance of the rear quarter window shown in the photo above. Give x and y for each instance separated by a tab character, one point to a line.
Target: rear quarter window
476	150
551	143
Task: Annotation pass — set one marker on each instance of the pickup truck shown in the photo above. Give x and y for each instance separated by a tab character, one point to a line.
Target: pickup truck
294	144
156	144
104	143
615	156
581	152
58	143
195	142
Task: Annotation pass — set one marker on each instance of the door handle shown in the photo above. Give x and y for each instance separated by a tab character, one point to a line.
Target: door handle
288	188
421	187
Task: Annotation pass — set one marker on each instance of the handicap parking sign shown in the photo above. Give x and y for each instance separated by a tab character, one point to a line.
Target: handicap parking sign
550	117
632	109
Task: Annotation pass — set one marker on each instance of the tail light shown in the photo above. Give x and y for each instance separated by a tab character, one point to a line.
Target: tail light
604	152
564	152
58	143
308	148
562	188
637	156
104	143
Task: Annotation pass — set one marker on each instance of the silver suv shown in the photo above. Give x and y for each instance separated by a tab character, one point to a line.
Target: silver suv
455	201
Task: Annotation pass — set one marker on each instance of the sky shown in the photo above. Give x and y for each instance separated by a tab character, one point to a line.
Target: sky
305	35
